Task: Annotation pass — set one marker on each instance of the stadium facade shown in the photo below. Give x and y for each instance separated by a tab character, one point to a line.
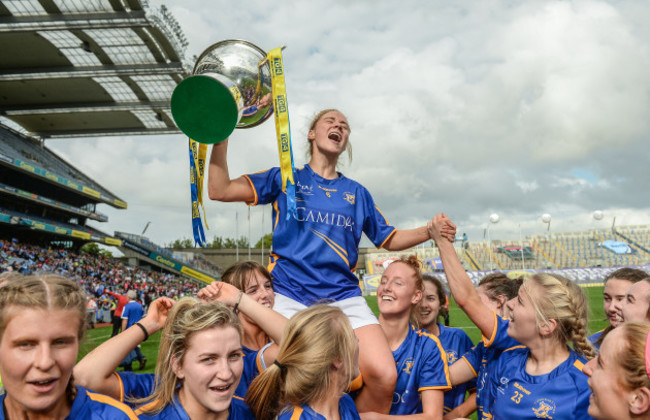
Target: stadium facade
79	68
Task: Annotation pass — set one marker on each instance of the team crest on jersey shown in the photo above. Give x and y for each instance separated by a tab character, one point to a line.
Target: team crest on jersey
452	356
504	385
408	365
544	408
349	197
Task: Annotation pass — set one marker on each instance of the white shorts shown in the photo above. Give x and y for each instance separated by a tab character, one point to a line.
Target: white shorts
356	308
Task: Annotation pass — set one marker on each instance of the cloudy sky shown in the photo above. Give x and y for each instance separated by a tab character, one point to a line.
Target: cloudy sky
467	107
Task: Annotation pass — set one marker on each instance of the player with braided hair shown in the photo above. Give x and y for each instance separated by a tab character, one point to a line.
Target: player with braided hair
541	378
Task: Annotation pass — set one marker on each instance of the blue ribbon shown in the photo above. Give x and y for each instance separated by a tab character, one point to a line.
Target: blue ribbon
197	224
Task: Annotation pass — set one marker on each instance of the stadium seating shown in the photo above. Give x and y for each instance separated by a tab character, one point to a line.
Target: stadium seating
579	252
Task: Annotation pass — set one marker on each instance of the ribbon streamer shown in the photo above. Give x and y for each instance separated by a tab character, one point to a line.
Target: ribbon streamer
282	128
197	166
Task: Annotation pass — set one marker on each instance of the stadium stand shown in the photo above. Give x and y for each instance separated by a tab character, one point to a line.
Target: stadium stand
137	248
89	68
586	256
43	198
82	69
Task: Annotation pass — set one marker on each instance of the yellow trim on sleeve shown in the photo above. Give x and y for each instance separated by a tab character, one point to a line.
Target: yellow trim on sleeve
434	388
578	365
112	402
119	379
382	215
387	238
470	366
488	342
255	198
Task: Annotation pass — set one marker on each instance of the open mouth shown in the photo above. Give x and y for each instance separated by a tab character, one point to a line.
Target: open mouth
334	136
222	388
43	385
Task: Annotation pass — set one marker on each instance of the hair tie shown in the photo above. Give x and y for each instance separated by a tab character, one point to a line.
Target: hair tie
280	365
647	355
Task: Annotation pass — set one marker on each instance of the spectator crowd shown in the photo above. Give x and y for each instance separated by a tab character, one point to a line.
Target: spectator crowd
95	273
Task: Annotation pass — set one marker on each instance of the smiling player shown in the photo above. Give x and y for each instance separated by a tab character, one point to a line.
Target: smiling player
315	254
616	285
42	320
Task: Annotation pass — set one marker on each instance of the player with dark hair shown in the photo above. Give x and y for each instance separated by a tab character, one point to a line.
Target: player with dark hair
617	283
455	341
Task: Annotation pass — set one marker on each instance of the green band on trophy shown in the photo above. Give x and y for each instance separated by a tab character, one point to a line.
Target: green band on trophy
204	109
230	88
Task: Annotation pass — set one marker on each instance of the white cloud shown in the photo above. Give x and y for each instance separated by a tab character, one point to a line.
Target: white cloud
464	107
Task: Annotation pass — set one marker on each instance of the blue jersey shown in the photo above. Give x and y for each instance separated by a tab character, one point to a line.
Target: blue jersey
421	364
456	342
484	354
347	411
315	254
135	385
514	394
253	365
91	406
594	337
238	410
132	313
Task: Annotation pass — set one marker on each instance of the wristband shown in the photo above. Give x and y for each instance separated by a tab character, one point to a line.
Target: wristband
237	303
144	330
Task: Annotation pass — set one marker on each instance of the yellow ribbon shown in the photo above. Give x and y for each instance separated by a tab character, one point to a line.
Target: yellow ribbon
282	127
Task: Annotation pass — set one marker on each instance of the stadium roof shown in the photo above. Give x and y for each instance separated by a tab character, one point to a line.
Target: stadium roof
84	68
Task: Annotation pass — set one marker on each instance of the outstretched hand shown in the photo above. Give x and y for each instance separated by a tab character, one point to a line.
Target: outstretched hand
158	312
220	292
441	227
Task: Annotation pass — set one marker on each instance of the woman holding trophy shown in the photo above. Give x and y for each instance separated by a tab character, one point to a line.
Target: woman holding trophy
315	252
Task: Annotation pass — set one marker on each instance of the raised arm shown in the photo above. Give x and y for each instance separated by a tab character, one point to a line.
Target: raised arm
408	238
460	284
267	319
220	186
95	371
